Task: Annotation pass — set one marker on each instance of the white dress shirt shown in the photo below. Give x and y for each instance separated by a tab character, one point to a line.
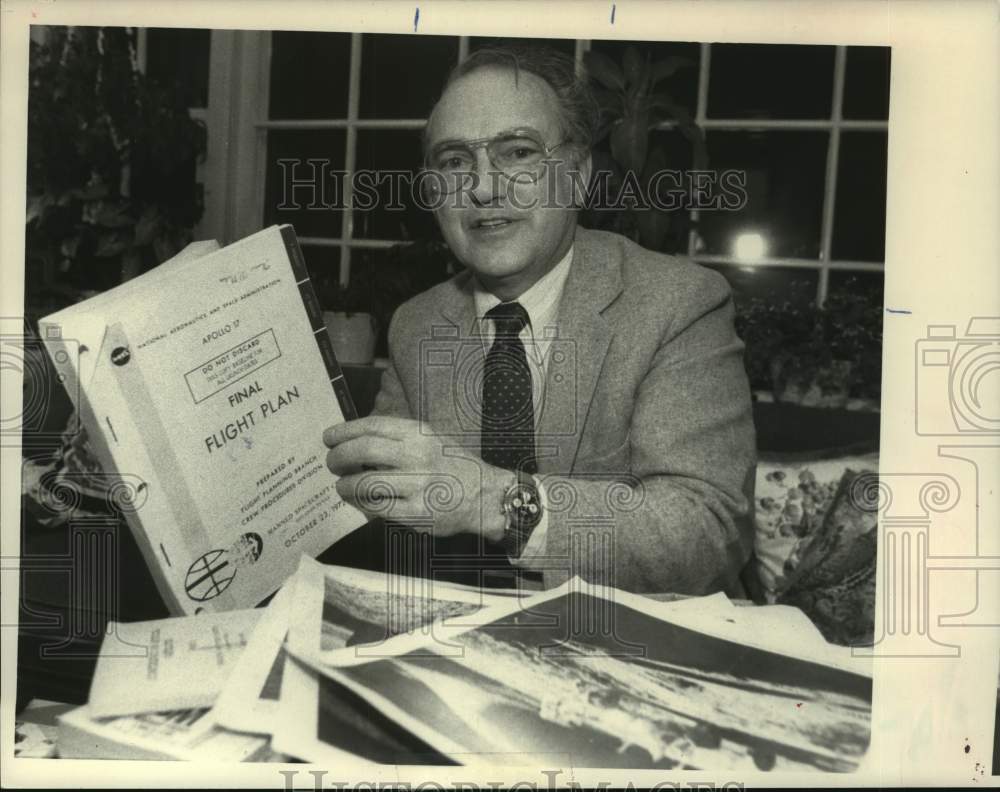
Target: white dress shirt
541	302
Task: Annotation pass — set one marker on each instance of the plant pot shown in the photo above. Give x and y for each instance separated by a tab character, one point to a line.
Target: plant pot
828	388
353	337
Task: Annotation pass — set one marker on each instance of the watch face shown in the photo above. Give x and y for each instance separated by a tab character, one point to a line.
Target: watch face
522	506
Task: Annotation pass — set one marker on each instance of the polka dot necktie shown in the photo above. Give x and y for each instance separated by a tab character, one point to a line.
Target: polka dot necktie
508	413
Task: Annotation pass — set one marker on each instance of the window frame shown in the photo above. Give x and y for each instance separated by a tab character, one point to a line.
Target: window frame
238	125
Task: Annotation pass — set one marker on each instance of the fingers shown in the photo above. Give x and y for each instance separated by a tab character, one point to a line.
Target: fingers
378	494
381	425
351	456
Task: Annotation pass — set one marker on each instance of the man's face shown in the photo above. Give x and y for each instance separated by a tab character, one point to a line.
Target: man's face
509	233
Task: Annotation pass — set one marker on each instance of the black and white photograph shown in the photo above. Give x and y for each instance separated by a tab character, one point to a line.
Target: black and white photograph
614	337
341	614
615	697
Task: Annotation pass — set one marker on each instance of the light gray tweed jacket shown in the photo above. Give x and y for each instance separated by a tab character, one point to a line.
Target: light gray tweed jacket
645	438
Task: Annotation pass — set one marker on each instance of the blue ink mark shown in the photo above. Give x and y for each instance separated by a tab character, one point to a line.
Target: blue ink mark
898	311
416	19
613	13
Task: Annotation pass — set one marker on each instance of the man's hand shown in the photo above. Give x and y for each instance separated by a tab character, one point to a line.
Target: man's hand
399	468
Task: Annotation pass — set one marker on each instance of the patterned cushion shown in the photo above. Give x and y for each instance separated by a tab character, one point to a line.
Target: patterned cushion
834	581
815	546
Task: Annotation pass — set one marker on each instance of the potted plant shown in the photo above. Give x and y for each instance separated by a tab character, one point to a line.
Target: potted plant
852	317
816	356
349	317
111	166
633	103
404	271
381	280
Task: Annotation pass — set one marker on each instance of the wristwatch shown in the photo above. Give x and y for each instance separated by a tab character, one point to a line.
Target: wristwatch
522	506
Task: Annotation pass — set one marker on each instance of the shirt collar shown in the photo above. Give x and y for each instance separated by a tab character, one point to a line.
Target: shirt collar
540	300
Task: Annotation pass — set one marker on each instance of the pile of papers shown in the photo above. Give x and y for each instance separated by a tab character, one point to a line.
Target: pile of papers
357	667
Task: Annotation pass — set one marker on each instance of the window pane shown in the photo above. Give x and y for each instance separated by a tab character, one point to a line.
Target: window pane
866	83
179	57
562	45
682	85
772	284
396	214
309	74
859	215
306	191
785	174
401	75
770	81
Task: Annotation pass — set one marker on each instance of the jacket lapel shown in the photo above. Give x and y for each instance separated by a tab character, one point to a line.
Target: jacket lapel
452	368
584	336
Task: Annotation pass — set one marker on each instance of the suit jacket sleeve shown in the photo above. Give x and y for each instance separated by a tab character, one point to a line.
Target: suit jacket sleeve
681	519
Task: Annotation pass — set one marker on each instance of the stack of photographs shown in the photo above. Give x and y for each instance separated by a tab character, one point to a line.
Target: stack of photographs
409	671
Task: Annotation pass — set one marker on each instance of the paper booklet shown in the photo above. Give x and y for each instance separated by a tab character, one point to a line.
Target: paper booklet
205	385
188	735
168	664
603	678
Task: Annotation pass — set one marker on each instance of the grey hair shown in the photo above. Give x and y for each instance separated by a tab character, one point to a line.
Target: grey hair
578	108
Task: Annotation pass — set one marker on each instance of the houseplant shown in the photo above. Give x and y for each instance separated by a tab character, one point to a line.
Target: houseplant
381	281
811	354
111	166
633	103
349	318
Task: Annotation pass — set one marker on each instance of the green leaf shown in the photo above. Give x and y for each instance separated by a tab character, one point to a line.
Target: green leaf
668	67
629	142
131	263
163	248
111	244
604	70
148	226
610	102
37	204
112	214
633	64
69	246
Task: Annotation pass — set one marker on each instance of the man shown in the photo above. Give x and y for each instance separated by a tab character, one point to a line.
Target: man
572	403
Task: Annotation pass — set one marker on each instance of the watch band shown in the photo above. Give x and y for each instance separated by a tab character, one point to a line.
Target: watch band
522	506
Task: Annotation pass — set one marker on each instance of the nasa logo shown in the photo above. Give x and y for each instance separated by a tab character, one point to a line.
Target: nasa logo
120	356
209	576
246	550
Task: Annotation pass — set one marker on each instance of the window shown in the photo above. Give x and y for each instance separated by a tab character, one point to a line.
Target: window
808	124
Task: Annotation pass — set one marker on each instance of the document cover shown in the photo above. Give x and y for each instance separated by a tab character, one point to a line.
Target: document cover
205	386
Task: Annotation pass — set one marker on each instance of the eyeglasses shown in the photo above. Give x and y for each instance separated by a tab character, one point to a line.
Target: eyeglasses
519	155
